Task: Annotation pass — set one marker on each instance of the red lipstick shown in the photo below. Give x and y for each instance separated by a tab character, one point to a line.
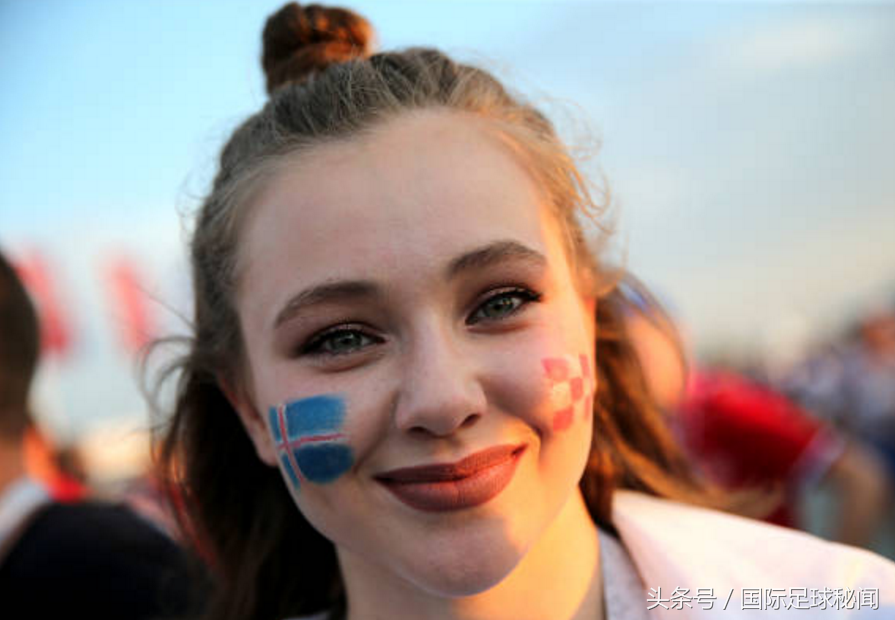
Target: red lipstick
444	487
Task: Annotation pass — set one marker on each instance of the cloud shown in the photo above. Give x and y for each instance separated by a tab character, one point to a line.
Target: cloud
799	43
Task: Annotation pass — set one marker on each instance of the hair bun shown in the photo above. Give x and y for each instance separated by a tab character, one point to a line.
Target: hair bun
301	40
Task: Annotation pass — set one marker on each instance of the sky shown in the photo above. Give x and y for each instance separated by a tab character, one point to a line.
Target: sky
746	147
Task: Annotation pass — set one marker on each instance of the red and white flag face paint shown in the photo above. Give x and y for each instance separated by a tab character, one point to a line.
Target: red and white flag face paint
55	318
571	388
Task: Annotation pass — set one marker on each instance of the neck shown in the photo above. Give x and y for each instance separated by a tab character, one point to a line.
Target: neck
558	579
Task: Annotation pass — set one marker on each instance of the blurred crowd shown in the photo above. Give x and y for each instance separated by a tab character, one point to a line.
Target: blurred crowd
809	444
848	382
63	551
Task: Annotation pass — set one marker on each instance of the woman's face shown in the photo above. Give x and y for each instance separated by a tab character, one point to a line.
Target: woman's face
420	360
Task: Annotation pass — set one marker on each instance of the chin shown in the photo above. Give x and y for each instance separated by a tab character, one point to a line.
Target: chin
461	570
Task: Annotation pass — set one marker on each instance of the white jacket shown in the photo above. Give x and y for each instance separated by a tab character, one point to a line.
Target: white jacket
756	565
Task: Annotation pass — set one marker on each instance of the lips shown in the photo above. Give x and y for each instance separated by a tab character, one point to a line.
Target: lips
445	487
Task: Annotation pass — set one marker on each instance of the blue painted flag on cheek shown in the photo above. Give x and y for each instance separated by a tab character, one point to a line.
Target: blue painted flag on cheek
309	439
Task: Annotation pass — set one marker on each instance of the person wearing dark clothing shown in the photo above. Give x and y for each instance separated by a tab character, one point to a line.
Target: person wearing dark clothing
58	560
95	557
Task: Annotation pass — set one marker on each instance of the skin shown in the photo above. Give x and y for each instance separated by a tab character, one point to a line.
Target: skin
12	460
434	364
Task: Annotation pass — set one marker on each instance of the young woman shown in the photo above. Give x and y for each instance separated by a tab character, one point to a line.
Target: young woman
401	331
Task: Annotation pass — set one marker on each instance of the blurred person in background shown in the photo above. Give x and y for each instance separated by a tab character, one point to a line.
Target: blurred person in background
61	559
743	435
851	380
868	384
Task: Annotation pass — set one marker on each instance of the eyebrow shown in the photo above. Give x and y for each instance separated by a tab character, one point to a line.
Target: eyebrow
327	292
492	254
354	290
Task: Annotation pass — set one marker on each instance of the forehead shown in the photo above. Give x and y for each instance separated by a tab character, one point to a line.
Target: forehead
415	191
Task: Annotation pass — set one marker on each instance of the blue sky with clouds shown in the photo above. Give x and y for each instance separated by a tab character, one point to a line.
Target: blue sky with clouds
747	145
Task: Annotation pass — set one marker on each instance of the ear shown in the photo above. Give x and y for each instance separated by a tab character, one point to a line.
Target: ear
253	421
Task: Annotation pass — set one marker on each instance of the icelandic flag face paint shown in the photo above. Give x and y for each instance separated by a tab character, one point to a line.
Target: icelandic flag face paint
309	439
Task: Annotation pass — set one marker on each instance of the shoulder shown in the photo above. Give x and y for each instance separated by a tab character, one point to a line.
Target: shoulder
97	526
675	545
91	553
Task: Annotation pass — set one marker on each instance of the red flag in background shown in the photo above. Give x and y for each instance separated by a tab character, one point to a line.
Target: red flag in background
55	319
130	304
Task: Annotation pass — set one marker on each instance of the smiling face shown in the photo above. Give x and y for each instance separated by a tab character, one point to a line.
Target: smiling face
420	360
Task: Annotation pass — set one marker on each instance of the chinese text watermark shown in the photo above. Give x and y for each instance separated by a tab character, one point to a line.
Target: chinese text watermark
767	598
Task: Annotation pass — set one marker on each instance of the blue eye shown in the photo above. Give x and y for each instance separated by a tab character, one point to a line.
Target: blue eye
339	341
502	305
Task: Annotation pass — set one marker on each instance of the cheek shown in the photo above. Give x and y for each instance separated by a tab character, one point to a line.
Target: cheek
551	389
569	381
310	441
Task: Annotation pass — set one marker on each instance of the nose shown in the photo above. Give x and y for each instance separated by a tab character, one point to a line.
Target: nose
440	390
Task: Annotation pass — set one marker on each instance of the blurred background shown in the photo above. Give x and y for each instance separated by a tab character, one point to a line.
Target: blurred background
747	149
